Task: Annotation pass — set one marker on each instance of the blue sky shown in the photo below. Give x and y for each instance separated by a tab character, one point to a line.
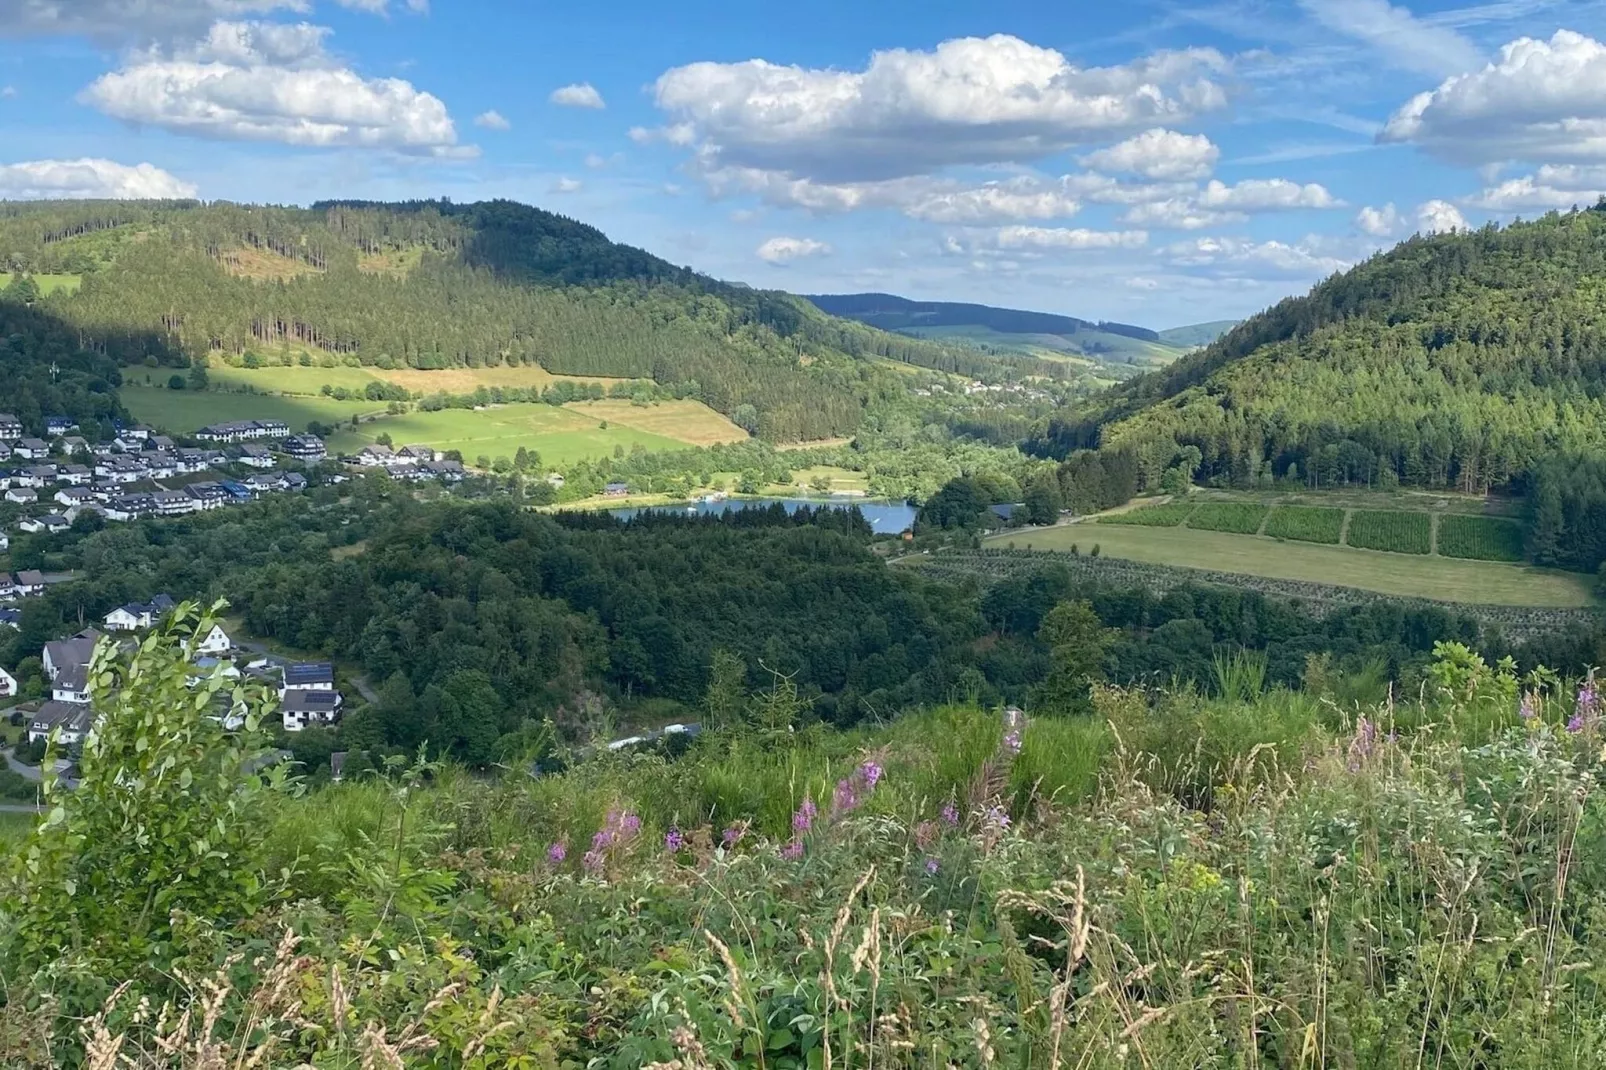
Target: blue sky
1155	161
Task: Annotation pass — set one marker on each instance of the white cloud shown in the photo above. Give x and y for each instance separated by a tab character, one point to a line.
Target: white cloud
969	101
382	7
1267	195
1381	222
1219	203
1540	100
566	185
1159	154
1437	217
580	95
994	202
1060	238
1552	186
270	82
90	178
1401	38
7	92
784	250
492	120
1304	259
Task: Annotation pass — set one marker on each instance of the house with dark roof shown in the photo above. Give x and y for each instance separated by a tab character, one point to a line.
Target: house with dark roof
72	721
29	582
308	676
71	685
308	709
10	426
63	654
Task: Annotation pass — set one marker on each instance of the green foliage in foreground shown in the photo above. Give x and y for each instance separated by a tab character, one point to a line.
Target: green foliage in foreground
1260	879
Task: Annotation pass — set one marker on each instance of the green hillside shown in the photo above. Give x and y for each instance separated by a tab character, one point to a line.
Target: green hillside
436	285
1007	330
1197	334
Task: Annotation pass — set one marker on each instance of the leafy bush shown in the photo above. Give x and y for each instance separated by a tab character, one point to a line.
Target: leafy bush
1242	518
1304	523
1480	538
1398	532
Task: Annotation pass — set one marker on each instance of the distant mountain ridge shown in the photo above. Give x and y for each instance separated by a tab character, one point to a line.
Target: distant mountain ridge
892	313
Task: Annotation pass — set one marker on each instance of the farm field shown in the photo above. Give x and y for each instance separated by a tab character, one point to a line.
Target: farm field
686	421
560	435
1442	579
842	479
1396	532
1479	538
301	380
1168	515
1244	518
182	411
1304	523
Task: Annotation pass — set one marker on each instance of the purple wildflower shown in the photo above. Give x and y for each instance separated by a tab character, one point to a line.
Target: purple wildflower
673	840
1530	706
845	799
630	825
870	773
792	851
997	818
557	852
1012	741
602	840
803	820
932	865
732	836
950	815
1577	723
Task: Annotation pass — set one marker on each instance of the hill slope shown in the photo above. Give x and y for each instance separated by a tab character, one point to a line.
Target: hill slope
433	285
1460	360
1006	329
1197	334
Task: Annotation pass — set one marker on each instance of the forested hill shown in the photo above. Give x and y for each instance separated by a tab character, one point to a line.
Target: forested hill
1460	360
439	285
899	313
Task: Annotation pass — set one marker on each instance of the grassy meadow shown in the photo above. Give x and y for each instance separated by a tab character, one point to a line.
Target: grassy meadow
687	421
559	434
49	284
1405	575
182	411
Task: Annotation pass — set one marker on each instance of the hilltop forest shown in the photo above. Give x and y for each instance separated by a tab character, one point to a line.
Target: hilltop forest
1461	361
438	285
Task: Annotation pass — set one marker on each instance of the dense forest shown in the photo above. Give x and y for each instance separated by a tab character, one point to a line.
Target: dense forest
45	370
473	620
439	285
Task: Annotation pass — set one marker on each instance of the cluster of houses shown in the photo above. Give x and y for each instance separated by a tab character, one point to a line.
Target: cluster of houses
73	475
411	462
307	695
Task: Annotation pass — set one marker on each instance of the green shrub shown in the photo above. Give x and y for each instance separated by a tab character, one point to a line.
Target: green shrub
1480	538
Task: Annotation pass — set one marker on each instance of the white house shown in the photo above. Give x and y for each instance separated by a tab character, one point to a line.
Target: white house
73	721
129	618
71	685
8	685
215	644
22	495
64	654
307	709
32	449
308	676
256	456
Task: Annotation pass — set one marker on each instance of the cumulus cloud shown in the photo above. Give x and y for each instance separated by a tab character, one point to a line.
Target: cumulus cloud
90	178
579	95
1064	239
1540	100
1219	203
1381	222
492	120
1552	186
780	251
995	201
269	82
1158	154
566	185
1438	217
1304	259
969	101
1398	36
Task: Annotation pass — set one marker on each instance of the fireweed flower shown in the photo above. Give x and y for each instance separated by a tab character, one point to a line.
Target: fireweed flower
803	820
950	815
870	773
932	865
997	818
732	836
673	840
557	852
792	851
1012	741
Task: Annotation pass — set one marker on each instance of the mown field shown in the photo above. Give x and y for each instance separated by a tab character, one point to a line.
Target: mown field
303	380
686	421
560	435
48	284
1404	575
182	411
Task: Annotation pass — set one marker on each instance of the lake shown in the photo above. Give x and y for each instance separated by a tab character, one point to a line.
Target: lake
886	518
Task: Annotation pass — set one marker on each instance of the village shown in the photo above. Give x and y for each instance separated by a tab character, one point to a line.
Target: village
64	712
53	480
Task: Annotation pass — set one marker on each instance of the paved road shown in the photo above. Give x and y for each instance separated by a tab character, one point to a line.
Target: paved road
27	772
